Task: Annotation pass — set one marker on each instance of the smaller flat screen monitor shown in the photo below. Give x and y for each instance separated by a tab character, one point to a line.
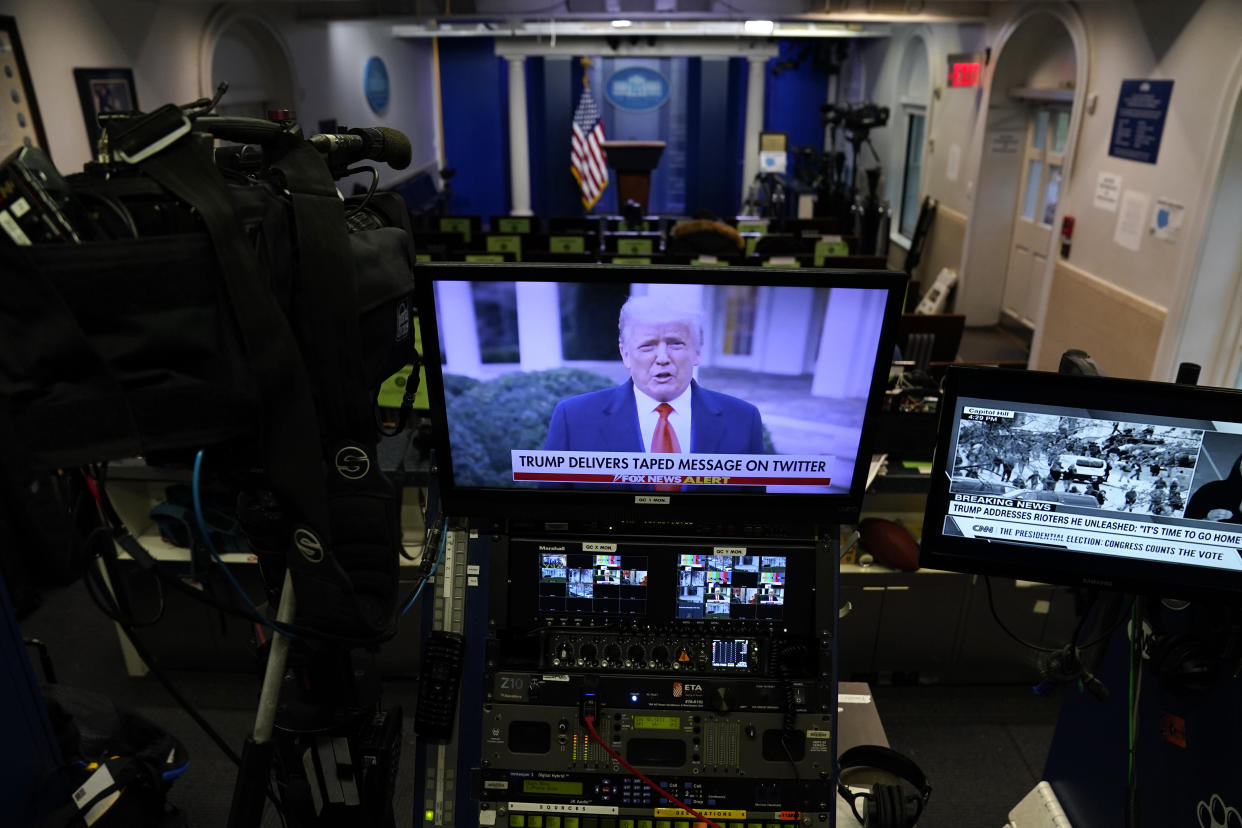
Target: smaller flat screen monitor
716	587
1122	484
586	584
683	583
736	393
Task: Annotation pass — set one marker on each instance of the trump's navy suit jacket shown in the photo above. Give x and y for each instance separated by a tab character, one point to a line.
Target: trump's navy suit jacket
607	420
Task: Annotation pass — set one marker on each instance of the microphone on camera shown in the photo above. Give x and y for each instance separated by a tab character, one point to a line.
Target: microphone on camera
375	143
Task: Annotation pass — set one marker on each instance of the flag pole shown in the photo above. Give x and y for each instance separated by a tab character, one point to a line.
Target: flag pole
587	63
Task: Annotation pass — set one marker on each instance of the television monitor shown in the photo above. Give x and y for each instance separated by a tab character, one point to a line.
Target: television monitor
1127	485
777	375
661	581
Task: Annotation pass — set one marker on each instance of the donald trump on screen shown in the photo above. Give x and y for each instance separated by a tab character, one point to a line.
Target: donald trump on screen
660	408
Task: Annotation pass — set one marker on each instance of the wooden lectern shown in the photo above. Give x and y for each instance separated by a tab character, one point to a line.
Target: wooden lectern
633	161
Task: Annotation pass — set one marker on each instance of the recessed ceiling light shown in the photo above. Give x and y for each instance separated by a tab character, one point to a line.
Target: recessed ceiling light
622	24
759	27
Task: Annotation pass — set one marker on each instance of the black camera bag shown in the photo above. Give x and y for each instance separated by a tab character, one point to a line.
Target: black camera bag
249	333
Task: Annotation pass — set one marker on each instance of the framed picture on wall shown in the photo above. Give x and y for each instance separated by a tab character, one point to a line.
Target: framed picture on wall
104	90
19	111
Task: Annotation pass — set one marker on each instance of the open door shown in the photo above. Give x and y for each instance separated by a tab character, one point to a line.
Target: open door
1038	193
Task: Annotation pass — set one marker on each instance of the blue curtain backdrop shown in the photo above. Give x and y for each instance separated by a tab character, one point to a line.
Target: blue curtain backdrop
550	100
474	105
702	124
717	96
792	99
666	122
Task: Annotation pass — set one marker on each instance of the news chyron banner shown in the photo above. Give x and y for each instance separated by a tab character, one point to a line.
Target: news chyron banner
1001	519
1094	485
639	468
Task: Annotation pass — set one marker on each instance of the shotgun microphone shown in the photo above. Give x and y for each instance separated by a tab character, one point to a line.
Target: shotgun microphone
375	143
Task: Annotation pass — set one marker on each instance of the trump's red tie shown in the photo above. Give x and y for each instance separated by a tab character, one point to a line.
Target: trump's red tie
664	441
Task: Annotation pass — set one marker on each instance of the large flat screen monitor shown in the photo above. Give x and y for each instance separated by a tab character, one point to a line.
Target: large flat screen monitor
661	392
1121	484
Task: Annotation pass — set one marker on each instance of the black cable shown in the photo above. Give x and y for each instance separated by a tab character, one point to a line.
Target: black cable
122	213
1136	674
789	720
992	606
435	533
121	536
1082	620
407	399
108	606
97	589
112	611
370	191
1104	636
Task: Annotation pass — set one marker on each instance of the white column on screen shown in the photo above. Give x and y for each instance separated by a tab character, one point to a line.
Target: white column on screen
539	326
847	345
782	341
459	330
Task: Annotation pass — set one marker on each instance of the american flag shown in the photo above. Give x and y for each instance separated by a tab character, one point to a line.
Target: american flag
587	160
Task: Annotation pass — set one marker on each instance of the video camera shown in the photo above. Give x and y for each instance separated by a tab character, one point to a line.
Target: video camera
176	301
175	296
857	119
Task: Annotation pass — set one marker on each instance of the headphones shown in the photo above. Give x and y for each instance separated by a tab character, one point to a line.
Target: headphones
887	806
1185	662
1196	658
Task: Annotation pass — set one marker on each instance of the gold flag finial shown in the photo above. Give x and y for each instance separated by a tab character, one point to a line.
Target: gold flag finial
587	63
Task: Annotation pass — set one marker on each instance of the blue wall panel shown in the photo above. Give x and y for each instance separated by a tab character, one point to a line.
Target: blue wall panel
475	107
702	123
551	100
739	77
792	99
714	129
667	122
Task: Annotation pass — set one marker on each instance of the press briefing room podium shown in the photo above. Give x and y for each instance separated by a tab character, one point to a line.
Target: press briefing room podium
633	161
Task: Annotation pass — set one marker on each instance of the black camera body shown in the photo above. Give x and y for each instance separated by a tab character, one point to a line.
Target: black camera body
855	118
228	302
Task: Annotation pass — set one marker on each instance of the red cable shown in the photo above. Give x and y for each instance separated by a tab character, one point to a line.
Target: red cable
590	723
94	489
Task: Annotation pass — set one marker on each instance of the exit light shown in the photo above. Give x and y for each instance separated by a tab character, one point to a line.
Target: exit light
964	74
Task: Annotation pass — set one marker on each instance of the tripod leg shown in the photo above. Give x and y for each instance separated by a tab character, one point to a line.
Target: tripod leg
251	785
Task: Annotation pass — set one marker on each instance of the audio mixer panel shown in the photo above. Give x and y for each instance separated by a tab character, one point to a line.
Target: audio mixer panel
705	666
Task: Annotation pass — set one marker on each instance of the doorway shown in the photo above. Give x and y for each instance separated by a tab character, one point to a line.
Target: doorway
1211	324
1025	143
1039	192
250	54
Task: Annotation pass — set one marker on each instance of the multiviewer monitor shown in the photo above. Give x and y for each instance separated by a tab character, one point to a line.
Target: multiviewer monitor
632	392
1121	484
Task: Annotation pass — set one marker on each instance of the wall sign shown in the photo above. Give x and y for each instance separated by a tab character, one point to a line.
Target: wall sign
964	69
1005	142
1129	230
636	88
1139	123
1107	191
375	84
1166	219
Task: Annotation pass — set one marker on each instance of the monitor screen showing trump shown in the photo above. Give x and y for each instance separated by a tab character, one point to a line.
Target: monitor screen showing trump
634	382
